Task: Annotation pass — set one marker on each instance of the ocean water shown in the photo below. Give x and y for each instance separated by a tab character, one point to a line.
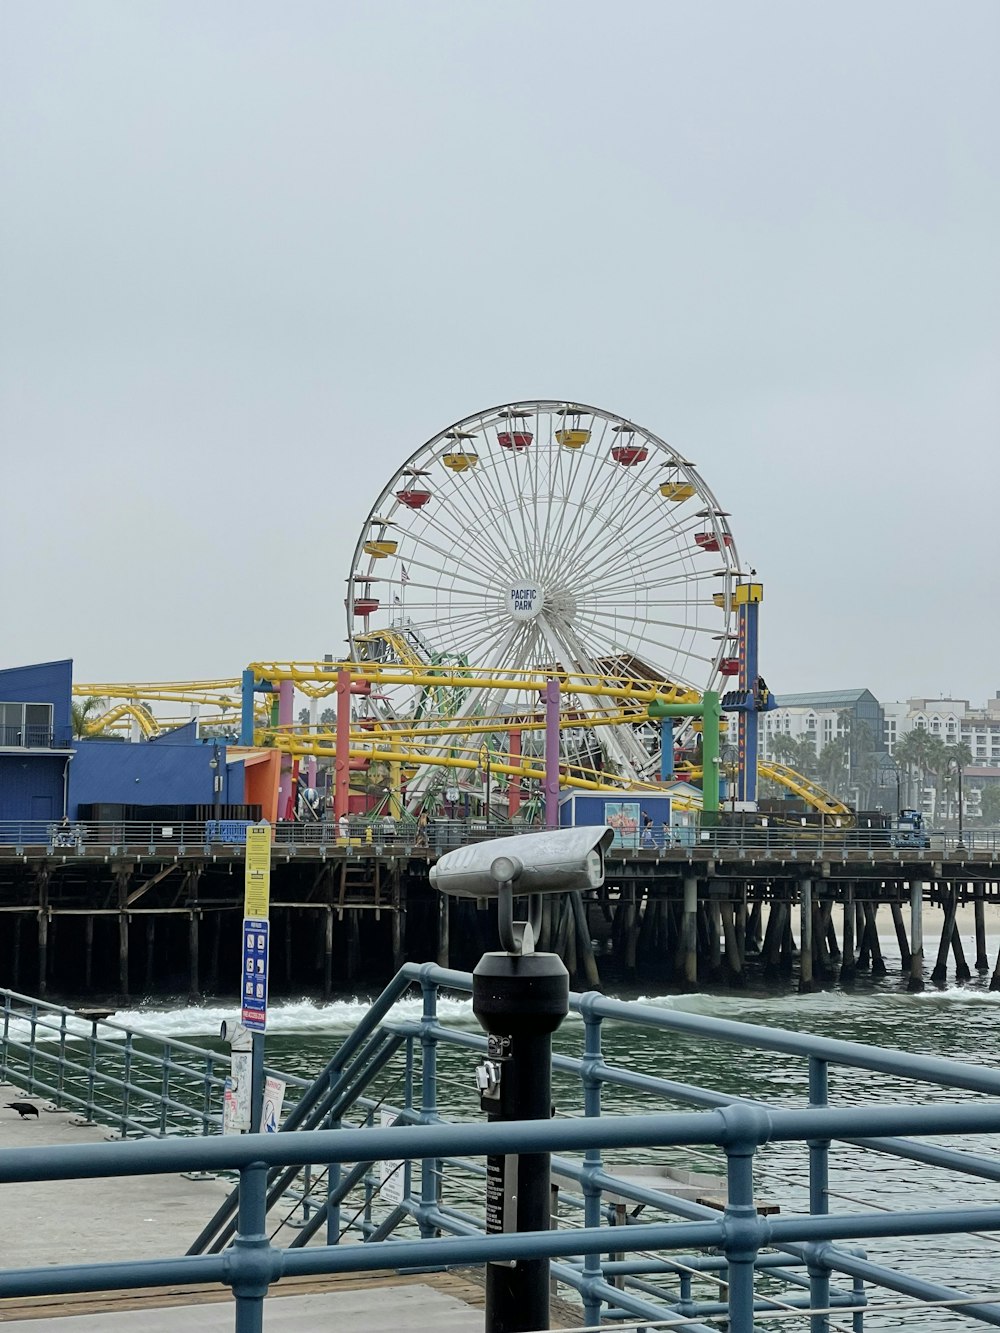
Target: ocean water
961	1022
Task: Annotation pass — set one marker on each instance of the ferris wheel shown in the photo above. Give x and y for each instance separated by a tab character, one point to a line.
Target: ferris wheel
546	534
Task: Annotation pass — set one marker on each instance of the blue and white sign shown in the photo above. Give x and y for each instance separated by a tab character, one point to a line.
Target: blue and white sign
254	982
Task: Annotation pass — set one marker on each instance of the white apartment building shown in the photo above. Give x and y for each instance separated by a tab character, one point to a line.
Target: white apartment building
953	720
821	718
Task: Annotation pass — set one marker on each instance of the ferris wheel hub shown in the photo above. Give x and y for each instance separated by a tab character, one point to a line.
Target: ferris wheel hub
525	601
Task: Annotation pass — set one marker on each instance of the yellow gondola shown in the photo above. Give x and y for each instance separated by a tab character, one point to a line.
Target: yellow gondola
460	462
377	548
572	434
572	438
676	490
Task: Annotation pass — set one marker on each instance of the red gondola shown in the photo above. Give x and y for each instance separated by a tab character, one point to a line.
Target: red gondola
629	455
413	499
364	606
729	666
708	541
514	439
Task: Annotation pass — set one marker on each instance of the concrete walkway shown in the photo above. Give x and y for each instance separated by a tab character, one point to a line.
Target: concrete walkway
88	1221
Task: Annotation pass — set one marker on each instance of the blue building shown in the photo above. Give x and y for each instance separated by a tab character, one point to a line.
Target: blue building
47	774
36	747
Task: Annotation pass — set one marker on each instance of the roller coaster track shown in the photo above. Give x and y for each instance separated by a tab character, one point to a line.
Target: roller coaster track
314	678
395	740
810	792
148	724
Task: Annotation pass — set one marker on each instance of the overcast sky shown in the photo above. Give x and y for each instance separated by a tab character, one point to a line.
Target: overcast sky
254	254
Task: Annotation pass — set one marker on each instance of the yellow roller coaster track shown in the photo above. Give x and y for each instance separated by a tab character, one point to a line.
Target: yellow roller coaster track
314	678
319	679
810	792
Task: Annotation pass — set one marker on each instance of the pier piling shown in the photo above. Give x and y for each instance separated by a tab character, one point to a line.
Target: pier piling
916	980
806	935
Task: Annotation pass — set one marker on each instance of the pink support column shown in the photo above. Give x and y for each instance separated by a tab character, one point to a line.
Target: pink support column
286	702
552	754
514	786
342	747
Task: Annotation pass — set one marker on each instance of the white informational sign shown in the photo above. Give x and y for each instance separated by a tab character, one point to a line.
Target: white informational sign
274	1096
390	1172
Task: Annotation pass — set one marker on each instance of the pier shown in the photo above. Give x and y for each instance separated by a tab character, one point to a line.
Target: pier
143	909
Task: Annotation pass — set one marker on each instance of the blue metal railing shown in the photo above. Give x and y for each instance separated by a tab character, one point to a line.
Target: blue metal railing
665	1266
112	1074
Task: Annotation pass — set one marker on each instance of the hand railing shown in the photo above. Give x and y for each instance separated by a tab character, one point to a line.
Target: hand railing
717	1224
114	1075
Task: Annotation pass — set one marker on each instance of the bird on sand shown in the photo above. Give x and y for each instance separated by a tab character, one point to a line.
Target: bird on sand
23	1108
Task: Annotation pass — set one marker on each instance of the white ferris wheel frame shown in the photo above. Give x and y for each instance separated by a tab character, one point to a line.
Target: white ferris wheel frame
614	565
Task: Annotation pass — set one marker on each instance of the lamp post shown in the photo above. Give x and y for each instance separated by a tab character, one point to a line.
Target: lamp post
955	766
730	766
893	769
484	763
214	766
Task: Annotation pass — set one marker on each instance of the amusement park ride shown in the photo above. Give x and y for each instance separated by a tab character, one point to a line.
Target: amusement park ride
543	577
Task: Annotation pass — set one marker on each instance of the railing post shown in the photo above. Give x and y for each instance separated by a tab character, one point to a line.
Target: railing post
91	1071
430	1167
33	1047
592	1265
126	1079
206	1101
165	1062
819	1197
252	1250
61	1075
858	1297
6	1036
741	1234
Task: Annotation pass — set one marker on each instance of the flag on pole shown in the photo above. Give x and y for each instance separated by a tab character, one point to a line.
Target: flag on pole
403	576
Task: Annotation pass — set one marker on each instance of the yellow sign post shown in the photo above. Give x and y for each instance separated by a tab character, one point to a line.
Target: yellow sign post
257	886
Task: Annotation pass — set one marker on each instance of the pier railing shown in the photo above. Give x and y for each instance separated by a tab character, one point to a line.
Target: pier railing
110	1074
635	1236
362	836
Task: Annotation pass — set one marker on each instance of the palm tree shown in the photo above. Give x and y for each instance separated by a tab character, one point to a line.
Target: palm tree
952	759
916	751
84	713
799	755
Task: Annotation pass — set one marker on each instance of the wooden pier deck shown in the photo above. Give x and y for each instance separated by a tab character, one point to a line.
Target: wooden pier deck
158	1216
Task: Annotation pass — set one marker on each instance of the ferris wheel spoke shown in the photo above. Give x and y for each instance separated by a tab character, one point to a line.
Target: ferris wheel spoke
496	506
567	535
475	525
641	548
677	648
509	475
565	478
610	618
664	560
473	536
491	514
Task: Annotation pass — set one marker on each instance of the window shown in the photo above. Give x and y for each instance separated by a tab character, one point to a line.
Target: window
26	724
